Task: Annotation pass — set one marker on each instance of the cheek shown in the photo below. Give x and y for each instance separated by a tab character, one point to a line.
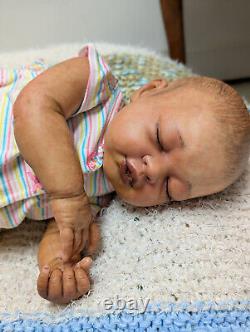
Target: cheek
145	197
123	135
177	189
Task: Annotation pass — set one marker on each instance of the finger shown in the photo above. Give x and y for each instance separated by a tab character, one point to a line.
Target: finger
67	240
85	263
84	243
42	282
94	239
78	242
55	286
69	283
82	281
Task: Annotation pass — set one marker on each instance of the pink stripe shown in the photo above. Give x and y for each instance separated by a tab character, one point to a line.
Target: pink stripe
14	216
5	159
89	134
9	189
111	115
90	93
104	65
99	180
1	76
22	163
26	204
87	52
6	154
25	172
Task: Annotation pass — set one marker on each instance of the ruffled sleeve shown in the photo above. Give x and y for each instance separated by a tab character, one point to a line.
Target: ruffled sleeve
101	82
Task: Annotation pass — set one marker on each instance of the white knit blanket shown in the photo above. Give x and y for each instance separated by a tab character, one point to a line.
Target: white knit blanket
195	250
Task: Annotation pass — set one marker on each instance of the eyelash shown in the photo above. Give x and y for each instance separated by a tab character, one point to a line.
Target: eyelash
158	140
161	148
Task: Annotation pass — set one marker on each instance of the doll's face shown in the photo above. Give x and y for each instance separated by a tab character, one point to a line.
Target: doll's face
165	139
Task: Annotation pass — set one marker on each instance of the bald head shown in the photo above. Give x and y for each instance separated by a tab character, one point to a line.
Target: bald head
232	118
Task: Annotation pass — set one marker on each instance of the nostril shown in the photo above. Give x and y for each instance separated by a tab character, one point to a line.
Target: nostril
144	160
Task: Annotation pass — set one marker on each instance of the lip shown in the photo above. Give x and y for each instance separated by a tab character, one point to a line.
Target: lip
125	177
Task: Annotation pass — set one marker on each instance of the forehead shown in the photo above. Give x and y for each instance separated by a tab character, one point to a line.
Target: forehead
185	103
191	121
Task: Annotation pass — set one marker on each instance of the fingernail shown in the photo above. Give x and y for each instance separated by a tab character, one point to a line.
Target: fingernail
46	268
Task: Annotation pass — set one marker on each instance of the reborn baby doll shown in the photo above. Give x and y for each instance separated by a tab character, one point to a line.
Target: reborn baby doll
68	141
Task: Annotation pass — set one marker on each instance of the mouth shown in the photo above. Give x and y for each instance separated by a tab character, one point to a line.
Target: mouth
125	173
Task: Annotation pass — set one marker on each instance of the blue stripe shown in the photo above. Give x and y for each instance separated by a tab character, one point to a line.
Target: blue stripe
5	126
4	187
103	110
10	220
23	181
5	122
22	175
220	320
83	161
114	99
103	74
6	116
20	169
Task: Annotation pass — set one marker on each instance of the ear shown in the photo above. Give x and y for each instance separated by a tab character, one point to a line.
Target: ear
154	85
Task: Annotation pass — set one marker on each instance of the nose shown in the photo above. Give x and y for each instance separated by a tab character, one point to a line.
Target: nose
145	169
153	168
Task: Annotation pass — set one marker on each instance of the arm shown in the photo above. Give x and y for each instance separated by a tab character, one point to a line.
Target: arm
40	127
45	142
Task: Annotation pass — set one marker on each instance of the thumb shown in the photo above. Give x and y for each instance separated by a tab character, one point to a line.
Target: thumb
85	263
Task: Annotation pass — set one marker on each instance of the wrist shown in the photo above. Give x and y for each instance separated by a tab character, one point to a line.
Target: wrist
80	193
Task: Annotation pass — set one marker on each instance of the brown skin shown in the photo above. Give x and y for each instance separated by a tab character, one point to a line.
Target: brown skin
40	114
61	282
199	161
41	111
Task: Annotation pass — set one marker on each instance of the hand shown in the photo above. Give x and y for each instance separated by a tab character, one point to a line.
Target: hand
63	282
66	282
73	217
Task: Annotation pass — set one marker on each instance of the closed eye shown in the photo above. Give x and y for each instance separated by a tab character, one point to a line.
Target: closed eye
161	149
158	138
167	192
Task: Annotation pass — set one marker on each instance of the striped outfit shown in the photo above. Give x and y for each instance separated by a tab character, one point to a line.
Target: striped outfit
21	193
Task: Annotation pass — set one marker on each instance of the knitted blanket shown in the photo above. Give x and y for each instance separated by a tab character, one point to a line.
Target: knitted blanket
181	267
